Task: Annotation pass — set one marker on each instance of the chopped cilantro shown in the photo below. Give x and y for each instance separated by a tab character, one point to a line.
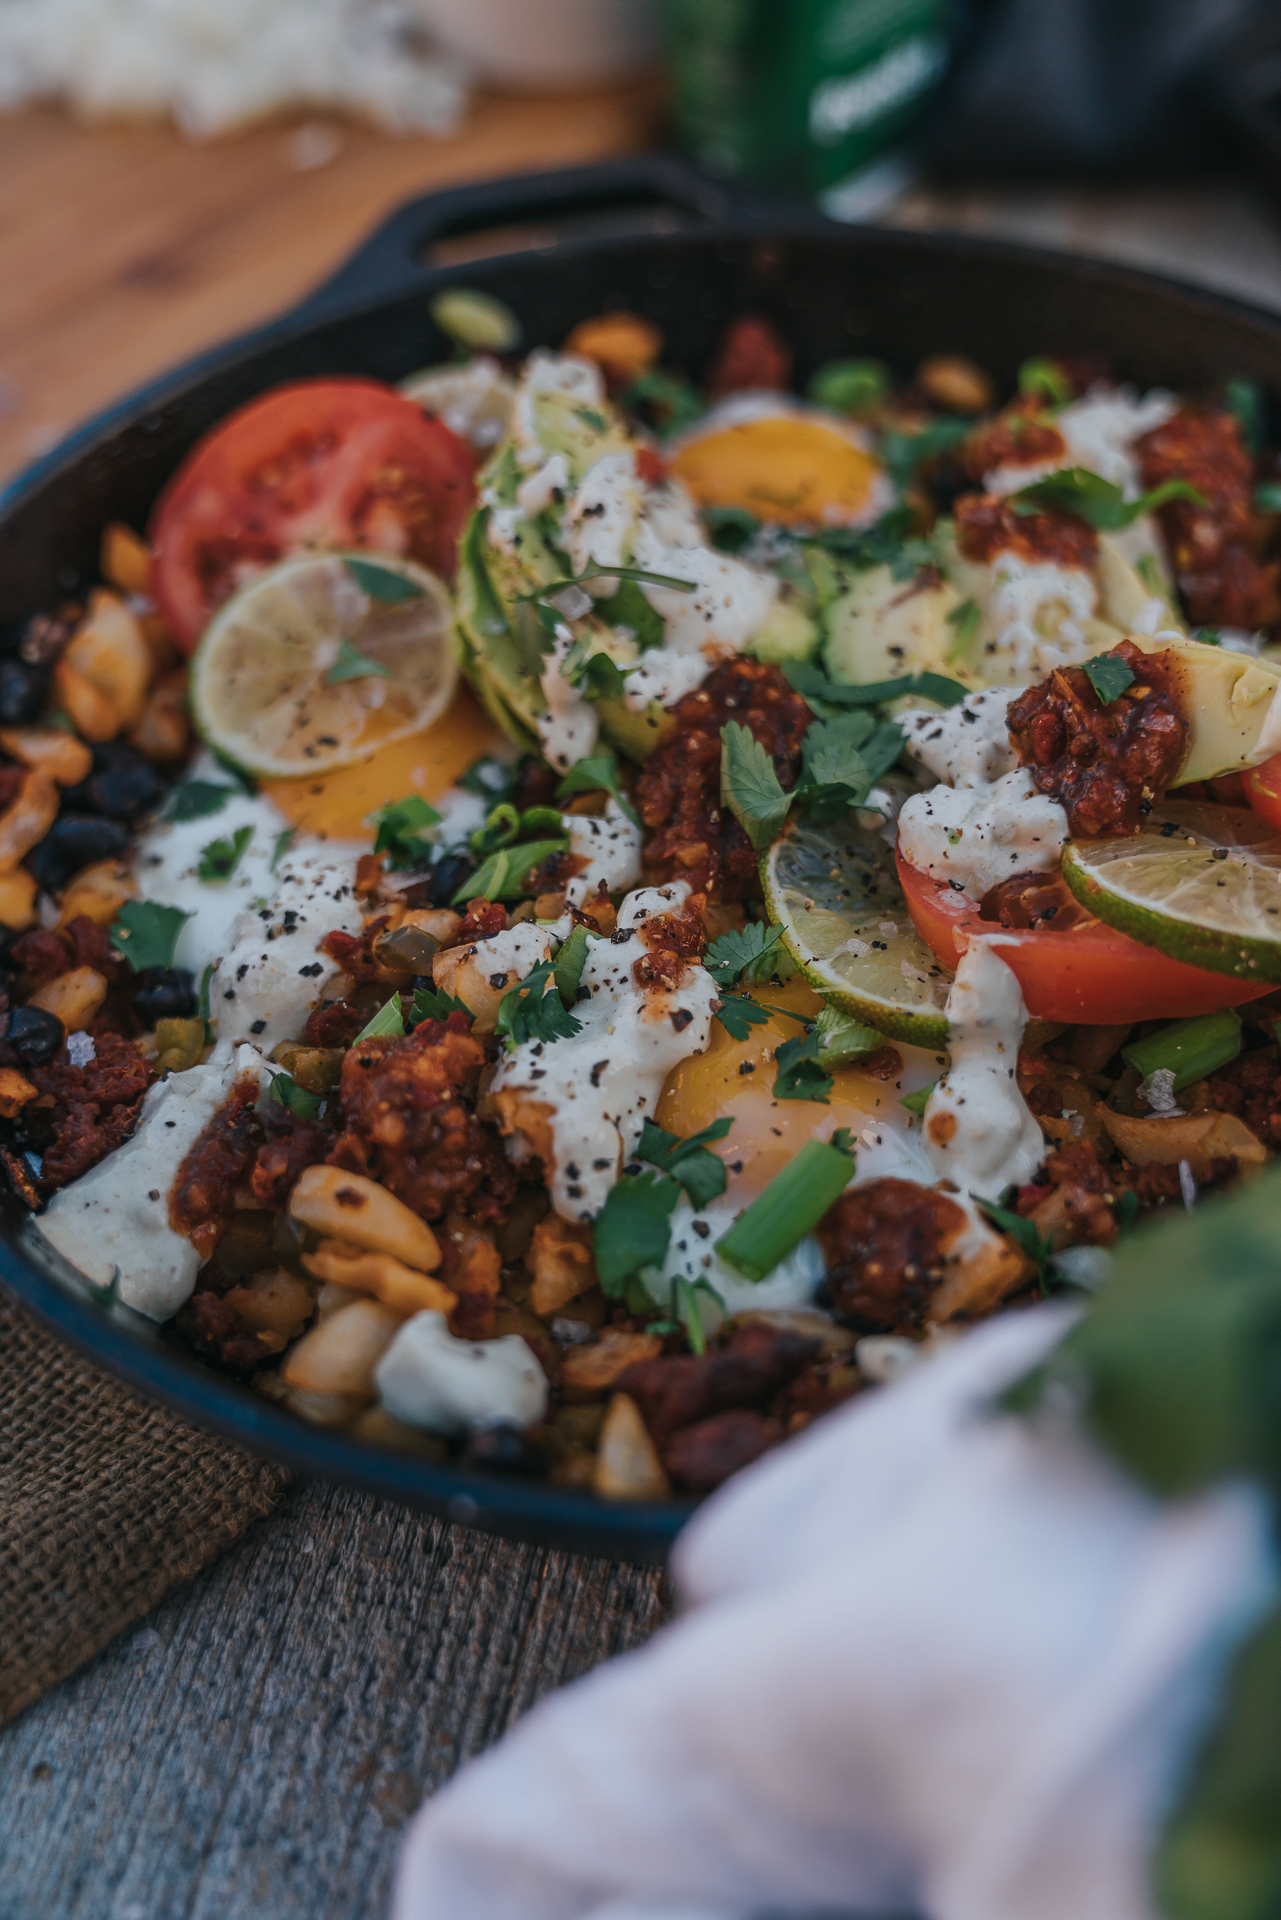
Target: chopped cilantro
430	1004
387	1023
1109	677
917	1102
219	860
674	404
194	799
287	1093
1022	1232
633	1228
730	528
903	453
750	787
739	1015
1045	380
351	664
850	386
591	418
630	609
828	696
403	826
800	1076
702	1174
888	543
1098	502
146	933
834	775
381	584
284	841
746	955
570	962
529	1012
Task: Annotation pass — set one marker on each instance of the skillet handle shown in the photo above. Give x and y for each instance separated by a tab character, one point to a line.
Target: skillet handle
660	190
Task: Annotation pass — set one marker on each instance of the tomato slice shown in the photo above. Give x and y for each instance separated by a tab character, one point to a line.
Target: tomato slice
319	463
1089	975
1263	790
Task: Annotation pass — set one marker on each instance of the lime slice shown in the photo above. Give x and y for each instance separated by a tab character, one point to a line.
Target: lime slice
1200	883
835	893
321	660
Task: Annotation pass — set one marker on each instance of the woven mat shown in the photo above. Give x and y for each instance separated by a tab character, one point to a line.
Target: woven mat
106	1503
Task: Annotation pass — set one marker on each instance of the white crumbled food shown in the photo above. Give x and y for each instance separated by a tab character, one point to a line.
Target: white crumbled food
274	971
1099	431
691	1255
978	1130
474	400
511	953
427	1378
975	836
544	487
969	744
115	1218
544	373
602	1084
569	728
611	845
600	519
219	67
1037	610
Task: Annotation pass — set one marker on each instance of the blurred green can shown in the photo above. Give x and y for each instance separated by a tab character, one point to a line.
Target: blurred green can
815	95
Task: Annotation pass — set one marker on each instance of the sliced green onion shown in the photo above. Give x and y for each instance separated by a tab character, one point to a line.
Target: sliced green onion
842	1039
1189	1048
503	875
388	1021
916	1102
791	1206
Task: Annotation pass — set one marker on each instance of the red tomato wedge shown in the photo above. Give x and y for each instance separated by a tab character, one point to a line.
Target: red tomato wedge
323	463
1089	975
1263	790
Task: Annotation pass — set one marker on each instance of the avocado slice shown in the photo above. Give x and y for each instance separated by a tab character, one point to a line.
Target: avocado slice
1224	697
789	632
878	627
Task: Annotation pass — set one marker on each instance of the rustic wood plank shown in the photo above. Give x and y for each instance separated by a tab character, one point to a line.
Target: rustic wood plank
257	1747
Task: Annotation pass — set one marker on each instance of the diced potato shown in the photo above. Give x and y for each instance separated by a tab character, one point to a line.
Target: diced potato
15	1091
623	345
339	1355
808	1322
399	1287
331	1298
560	1257
976	1284
952	381
17	900
27	818
316	1069
90	711
347	1206
98	892
163	733
273	1302
1163	1140
382	1429
125	559
458	972
627	1465
73	997
52	749
588	1372
324	1409
109	651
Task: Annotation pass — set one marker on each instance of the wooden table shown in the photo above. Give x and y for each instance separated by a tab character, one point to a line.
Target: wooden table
256	1748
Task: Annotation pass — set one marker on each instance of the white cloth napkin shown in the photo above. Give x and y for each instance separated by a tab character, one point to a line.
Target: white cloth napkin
933	1660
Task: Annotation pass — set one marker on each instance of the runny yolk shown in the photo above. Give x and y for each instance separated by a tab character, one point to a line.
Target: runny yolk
780	469
736	1077
338	804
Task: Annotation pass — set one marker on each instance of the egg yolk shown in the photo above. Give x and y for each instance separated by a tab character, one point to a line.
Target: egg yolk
736	1078
338	805
782	469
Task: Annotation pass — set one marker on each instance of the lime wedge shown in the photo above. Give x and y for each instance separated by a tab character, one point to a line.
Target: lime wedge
321	660
835	893
1200	883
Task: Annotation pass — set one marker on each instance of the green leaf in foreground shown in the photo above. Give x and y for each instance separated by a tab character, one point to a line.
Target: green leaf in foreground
402	830
383	584
295	1099
738	1015
1109	676
1098	502
146	933
630	609
903	453
843	1040
351	664
850	386
284	840
748	955
1045	380
194	799
809	680
1267	497
529	1012
888	543
570	961
633	1228
702	1174
431	1004
387	1024
504	875
834	774
750	787
799	1076
674	403
219	860
597	773
917	1102
1021	1231
790	1207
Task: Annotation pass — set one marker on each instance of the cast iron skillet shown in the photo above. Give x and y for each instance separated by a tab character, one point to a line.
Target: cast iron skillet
646	234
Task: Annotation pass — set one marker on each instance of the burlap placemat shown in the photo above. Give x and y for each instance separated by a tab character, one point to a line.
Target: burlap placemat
106	1503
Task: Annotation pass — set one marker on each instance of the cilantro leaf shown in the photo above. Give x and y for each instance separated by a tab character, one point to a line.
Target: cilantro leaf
850	386
570	962
504	874
630	609
529	1012
750	787
966	619
1267	497
288	1094
842	1039
382	584
674	404
597	773
702	1174
387	1023
828	696
146	933
1022	1232
799	1076
284	840
633	1229
494	780
903	453
834	775
1045	380
350	664
402	829
739	1015
642	575
219	860
730	529
889	543
193	799
430	1004
1109	677
1098	502
916	1102
746	954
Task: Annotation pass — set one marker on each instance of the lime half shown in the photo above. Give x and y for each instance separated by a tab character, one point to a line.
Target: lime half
321	660
1200	883
835	893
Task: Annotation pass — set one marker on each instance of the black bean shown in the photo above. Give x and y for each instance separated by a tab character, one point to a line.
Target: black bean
22	692
164	993
34	1035
446	877
502	1448
76	840
123	785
